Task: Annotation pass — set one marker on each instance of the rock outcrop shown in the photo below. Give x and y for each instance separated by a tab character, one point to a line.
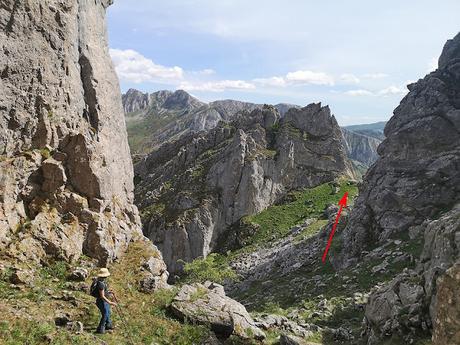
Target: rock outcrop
413	192
207	304
193	190
65	168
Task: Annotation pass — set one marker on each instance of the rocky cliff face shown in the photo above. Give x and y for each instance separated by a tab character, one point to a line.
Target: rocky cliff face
412	192
65	168
193	190
361	148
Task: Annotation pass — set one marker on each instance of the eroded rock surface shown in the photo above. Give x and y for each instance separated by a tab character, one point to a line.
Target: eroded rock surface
447	318
412	193
193	190
65	169
207	304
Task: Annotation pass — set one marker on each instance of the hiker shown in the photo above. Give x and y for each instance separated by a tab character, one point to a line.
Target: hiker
100	290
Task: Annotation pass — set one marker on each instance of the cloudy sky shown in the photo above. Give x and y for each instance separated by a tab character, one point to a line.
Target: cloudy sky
355	55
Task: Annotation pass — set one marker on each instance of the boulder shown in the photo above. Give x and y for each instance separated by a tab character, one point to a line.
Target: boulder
78	274
22	277
287	339
207	304
53	174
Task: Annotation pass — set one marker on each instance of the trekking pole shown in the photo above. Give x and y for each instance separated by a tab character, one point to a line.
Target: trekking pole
123	320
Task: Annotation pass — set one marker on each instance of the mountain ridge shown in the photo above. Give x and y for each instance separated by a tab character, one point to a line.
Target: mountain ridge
168	124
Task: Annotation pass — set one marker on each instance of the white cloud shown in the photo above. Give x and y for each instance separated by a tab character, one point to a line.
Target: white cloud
207	71
310	77
133	67
375	75
349	78
272	81
359	92
433	65
393	90
217	86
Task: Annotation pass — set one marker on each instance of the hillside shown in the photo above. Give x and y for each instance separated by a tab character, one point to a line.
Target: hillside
217	235
190	192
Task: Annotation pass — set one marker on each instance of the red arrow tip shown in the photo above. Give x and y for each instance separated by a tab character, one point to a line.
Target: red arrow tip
343	201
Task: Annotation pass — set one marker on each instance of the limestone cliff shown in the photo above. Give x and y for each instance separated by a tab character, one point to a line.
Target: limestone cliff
360	147
65	169
193	190
413	193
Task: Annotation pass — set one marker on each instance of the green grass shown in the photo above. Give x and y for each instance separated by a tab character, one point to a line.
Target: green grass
275	221
311	230
146	315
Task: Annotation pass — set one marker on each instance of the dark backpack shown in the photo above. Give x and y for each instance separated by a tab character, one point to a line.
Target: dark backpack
93	290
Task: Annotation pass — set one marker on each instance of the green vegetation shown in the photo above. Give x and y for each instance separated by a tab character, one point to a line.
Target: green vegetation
311	230
147	212
213	268
275	221
46	153
146	315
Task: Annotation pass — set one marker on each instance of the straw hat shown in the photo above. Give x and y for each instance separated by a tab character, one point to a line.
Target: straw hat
103	272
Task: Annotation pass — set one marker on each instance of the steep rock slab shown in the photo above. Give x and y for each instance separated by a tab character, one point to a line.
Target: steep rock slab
193	190
207	304
412	193
65	170
416	175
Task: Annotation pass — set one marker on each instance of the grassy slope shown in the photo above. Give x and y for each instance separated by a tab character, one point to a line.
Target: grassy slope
274	222
146	314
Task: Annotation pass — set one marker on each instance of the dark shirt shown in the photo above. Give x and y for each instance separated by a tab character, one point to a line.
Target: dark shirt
102	285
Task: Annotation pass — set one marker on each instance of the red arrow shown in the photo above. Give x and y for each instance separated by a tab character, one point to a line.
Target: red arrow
342	203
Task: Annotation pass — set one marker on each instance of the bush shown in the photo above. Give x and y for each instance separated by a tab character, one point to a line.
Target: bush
214	268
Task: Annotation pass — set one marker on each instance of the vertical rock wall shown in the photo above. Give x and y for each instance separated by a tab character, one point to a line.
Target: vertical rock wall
65	169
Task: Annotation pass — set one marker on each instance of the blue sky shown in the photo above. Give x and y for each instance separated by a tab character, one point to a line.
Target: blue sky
355	55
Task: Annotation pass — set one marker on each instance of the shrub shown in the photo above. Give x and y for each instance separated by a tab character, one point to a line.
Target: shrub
214	268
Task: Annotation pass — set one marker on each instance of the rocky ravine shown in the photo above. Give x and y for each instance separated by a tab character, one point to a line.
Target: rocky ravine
193	190
65	190
413	192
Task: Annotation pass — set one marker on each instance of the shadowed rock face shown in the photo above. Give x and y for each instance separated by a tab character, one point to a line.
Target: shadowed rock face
416	175
193	190
65	168
412	192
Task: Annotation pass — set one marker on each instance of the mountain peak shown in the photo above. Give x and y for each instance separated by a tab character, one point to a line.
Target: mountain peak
182	100
450	52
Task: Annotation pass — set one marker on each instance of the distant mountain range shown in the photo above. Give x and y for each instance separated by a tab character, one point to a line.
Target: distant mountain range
164	116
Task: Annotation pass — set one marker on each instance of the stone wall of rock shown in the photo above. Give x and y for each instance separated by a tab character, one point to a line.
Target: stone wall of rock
416	176
193	190
412	193
65	169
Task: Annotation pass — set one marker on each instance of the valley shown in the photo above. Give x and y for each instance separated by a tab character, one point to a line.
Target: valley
212	217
